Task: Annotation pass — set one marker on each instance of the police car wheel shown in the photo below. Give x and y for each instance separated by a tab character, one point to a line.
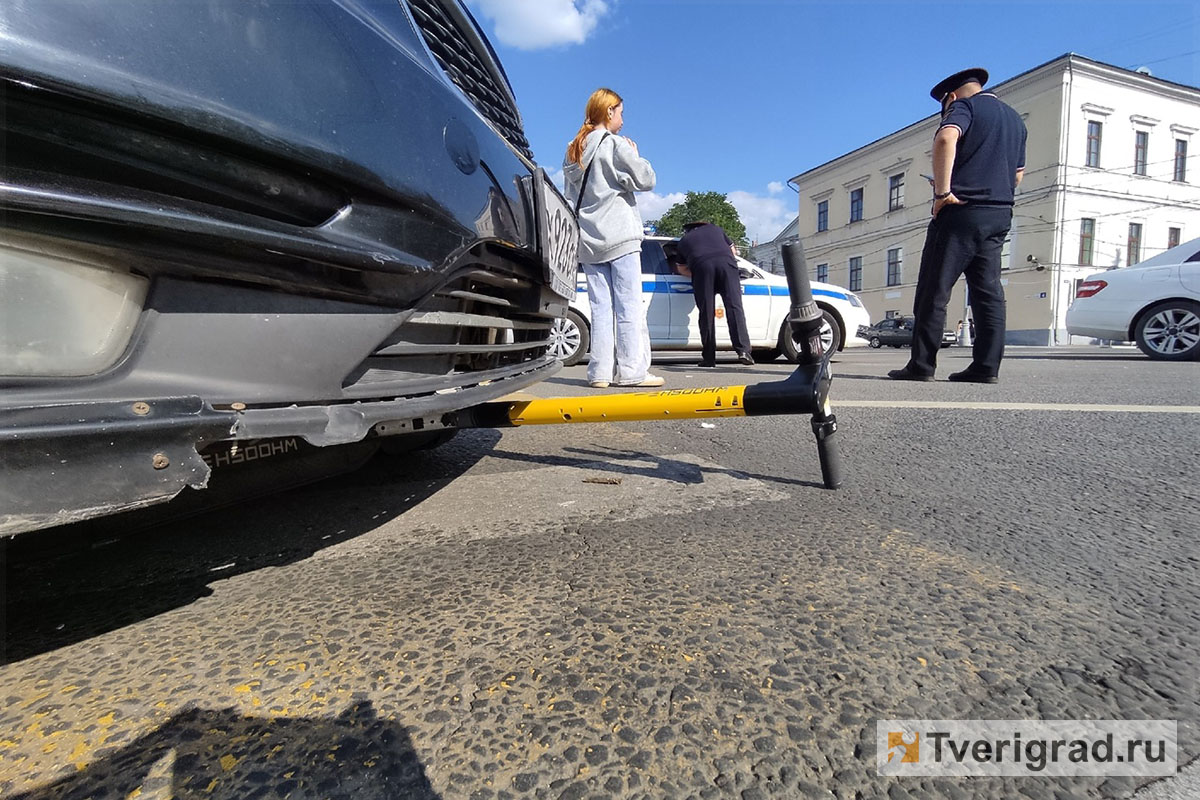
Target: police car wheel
831	337
569	338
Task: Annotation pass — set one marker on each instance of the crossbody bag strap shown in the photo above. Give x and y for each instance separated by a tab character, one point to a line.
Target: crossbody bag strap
587	172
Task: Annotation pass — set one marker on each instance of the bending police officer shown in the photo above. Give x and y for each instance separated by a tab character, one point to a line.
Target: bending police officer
706	253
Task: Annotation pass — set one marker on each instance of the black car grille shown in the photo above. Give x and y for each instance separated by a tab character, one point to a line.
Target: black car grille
479	321
464	66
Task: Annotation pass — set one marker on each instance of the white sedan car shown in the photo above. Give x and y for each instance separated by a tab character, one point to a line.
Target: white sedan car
1156	304
674	319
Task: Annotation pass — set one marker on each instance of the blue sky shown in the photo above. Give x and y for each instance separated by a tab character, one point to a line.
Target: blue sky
737	96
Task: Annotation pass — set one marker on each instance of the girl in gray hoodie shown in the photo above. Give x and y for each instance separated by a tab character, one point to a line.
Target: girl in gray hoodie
602	172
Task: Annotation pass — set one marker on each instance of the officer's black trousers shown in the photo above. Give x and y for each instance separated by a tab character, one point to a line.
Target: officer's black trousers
962	239
708	280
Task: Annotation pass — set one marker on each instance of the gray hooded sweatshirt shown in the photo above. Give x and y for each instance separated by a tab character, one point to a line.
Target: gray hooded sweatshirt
609	223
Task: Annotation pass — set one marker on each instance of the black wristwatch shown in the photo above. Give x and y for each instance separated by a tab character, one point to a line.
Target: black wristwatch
942	196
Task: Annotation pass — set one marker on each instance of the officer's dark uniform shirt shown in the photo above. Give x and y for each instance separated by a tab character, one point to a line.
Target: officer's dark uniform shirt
991	148
704	243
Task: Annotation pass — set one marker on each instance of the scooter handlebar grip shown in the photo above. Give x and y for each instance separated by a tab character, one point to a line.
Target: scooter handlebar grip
796	272
830	454
828	450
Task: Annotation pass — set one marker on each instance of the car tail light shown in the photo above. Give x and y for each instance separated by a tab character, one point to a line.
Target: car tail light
64	316
1089	288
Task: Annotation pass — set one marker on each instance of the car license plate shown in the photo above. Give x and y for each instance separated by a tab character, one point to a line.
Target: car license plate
558	236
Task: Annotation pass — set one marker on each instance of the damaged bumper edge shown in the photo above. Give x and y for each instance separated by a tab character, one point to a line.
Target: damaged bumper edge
68	463
62	464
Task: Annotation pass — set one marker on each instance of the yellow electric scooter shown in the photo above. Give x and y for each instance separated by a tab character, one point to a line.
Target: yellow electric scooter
805	391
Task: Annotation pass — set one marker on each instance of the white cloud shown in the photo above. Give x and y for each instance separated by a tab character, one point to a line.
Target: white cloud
764	217
538	24
774	187
653	205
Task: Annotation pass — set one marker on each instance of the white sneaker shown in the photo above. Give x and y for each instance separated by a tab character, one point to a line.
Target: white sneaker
648	381
598	384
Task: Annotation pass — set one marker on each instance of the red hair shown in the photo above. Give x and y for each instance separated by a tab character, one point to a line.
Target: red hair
598	105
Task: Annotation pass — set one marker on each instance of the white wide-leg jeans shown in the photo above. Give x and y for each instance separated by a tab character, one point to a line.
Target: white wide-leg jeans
615	296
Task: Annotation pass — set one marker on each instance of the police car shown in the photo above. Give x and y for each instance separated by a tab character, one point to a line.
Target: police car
674	319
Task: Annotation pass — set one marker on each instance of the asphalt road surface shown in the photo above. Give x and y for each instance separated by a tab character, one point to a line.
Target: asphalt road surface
662	610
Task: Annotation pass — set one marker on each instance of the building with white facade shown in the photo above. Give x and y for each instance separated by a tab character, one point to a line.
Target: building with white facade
1111	178
769	255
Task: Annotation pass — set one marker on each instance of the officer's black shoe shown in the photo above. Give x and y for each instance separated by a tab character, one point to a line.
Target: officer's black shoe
969	375
746	359
906	374
707	365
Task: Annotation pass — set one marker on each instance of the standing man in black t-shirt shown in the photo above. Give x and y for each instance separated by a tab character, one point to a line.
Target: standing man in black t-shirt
706	254
978	162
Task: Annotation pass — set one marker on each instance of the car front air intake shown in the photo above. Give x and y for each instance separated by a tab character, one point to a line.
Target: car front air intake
486	317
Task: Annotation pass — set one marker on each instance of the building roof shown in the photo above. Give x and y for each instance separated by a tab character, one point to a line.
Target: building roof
1064	59
792	229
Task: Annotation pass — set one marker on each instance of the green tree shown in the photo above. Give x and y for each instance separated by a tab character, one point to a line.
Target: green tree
708	206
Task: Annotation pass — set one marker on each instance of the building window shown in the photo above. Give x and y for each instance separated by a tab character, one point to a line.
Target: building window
1173	237
891	314
1141	143
856	203
823	273
1093	144
1087	241
893	267
1181	160
822	216
1134	254
896	192
856	274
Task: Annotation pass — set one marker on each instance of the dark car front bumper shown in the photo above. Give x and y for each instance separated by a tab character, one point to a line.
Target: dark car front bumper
67	463
336	231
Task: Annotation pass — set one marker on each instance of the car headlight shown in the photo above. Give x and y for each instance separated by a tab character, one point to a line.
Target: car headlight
61	316
854	301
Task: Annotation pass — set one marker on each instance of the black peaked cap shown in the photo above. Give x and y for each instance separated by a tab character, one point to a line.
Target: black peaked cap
956	80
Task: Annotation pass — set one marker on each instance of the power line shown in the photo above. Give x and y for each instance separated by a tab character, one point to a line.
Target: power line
1042	225
1114	172
1150	34
1039	225
1169	58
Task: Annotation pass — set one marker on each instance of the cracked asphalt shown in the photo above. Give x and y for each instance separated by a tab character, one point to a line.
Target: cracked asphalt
641	610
